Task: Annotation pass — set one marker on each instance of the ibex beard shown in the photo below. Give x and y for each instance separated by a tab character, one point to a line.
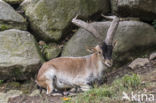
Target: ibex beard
71	72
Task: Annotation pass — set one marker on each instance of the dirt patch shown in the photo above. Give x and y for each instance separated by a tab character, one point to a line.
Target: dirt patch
35	99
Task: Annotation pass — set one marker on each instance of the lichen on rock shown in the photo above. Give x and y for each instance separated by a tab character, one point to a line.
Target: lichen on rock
19	55
9	18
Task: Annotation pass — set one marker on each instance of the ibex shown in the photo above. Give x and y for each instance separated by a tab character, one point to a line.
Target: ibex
68	72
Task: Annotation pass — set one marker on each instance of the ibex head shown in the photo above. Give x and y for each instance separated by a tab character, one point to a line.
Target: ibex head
105	47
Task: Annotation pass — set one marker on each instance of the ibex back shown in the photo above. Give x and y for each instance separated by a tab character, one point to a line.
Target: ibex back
71	72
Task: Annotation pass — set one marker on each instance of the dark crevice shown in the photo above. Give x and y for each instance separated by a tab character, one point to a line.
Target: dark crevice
125	11
15	6
69	31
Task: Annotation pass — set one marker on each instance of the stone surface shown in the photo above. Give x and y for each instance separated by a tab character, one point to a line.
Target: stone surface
35	93
144	9
13	1
152	56
9	18
51	51
138	62
19	56
50	18
4	97
129	36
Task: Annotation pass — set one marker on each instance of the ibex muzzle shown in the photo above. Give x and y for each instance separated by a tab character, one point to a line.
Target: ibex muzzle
71	72
107	54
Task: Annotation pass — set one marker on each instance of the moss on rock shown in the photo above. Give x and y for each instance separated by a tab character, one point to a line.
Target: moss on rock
50	51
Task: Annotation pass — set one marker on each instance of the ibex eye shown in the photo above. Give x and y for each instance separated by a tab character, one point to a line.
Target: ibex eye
100	52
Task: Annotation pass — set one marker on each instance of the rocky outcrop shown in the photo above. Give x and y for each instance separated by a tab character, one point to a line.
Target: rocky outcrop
129	35
144	9
50	18
9	18
19	56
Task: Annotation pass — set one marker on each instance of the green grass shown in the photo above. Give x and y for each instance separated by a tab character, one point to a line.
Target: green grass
109	93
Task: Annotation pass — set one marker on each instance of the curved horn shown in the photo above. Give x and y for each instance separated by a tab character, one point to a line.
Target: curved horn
88	27
112	29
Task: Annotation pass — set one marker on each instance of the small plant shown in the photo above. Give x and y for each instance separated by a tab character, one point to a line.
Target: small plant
154	23
95	95
3	27
1	81
131	81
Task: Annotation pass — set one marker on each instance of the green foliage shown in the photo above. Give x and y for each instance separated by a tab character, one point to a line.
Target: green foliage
109	93
131	81
94	95
1	81
68	101
154	23
3	27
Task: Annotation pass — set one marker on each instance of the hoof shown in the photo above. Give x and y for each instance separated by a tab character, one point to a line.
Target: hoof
69	94
56	94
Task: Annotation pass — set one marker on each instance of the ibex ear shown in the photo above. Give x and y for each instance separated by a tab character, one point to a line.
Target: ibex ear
91	49
114	43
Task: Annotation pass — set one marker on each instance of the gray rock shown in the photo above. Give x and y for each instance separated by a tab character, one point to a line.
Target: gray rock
138	62
49	18
152	56
9	18
50	51
19	56
12	2
4	97
129	35
144	9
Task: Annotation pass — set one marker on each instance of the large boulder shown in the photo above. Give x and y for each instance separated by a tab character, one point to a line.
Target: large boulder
9	18
50	18
19	56
144	9
129	35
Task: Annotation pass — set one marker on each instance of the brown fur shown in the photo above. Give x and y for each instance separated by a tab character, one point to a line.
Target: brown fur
68	65
71	66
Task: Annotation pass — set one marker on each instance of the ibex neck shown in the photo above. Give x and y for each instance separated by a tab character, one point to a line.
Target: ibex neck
95	61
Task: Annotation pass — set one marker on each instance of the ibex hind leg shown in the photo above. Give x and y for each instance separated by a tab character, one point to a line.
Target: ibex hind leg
50	86
50	75
85	87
